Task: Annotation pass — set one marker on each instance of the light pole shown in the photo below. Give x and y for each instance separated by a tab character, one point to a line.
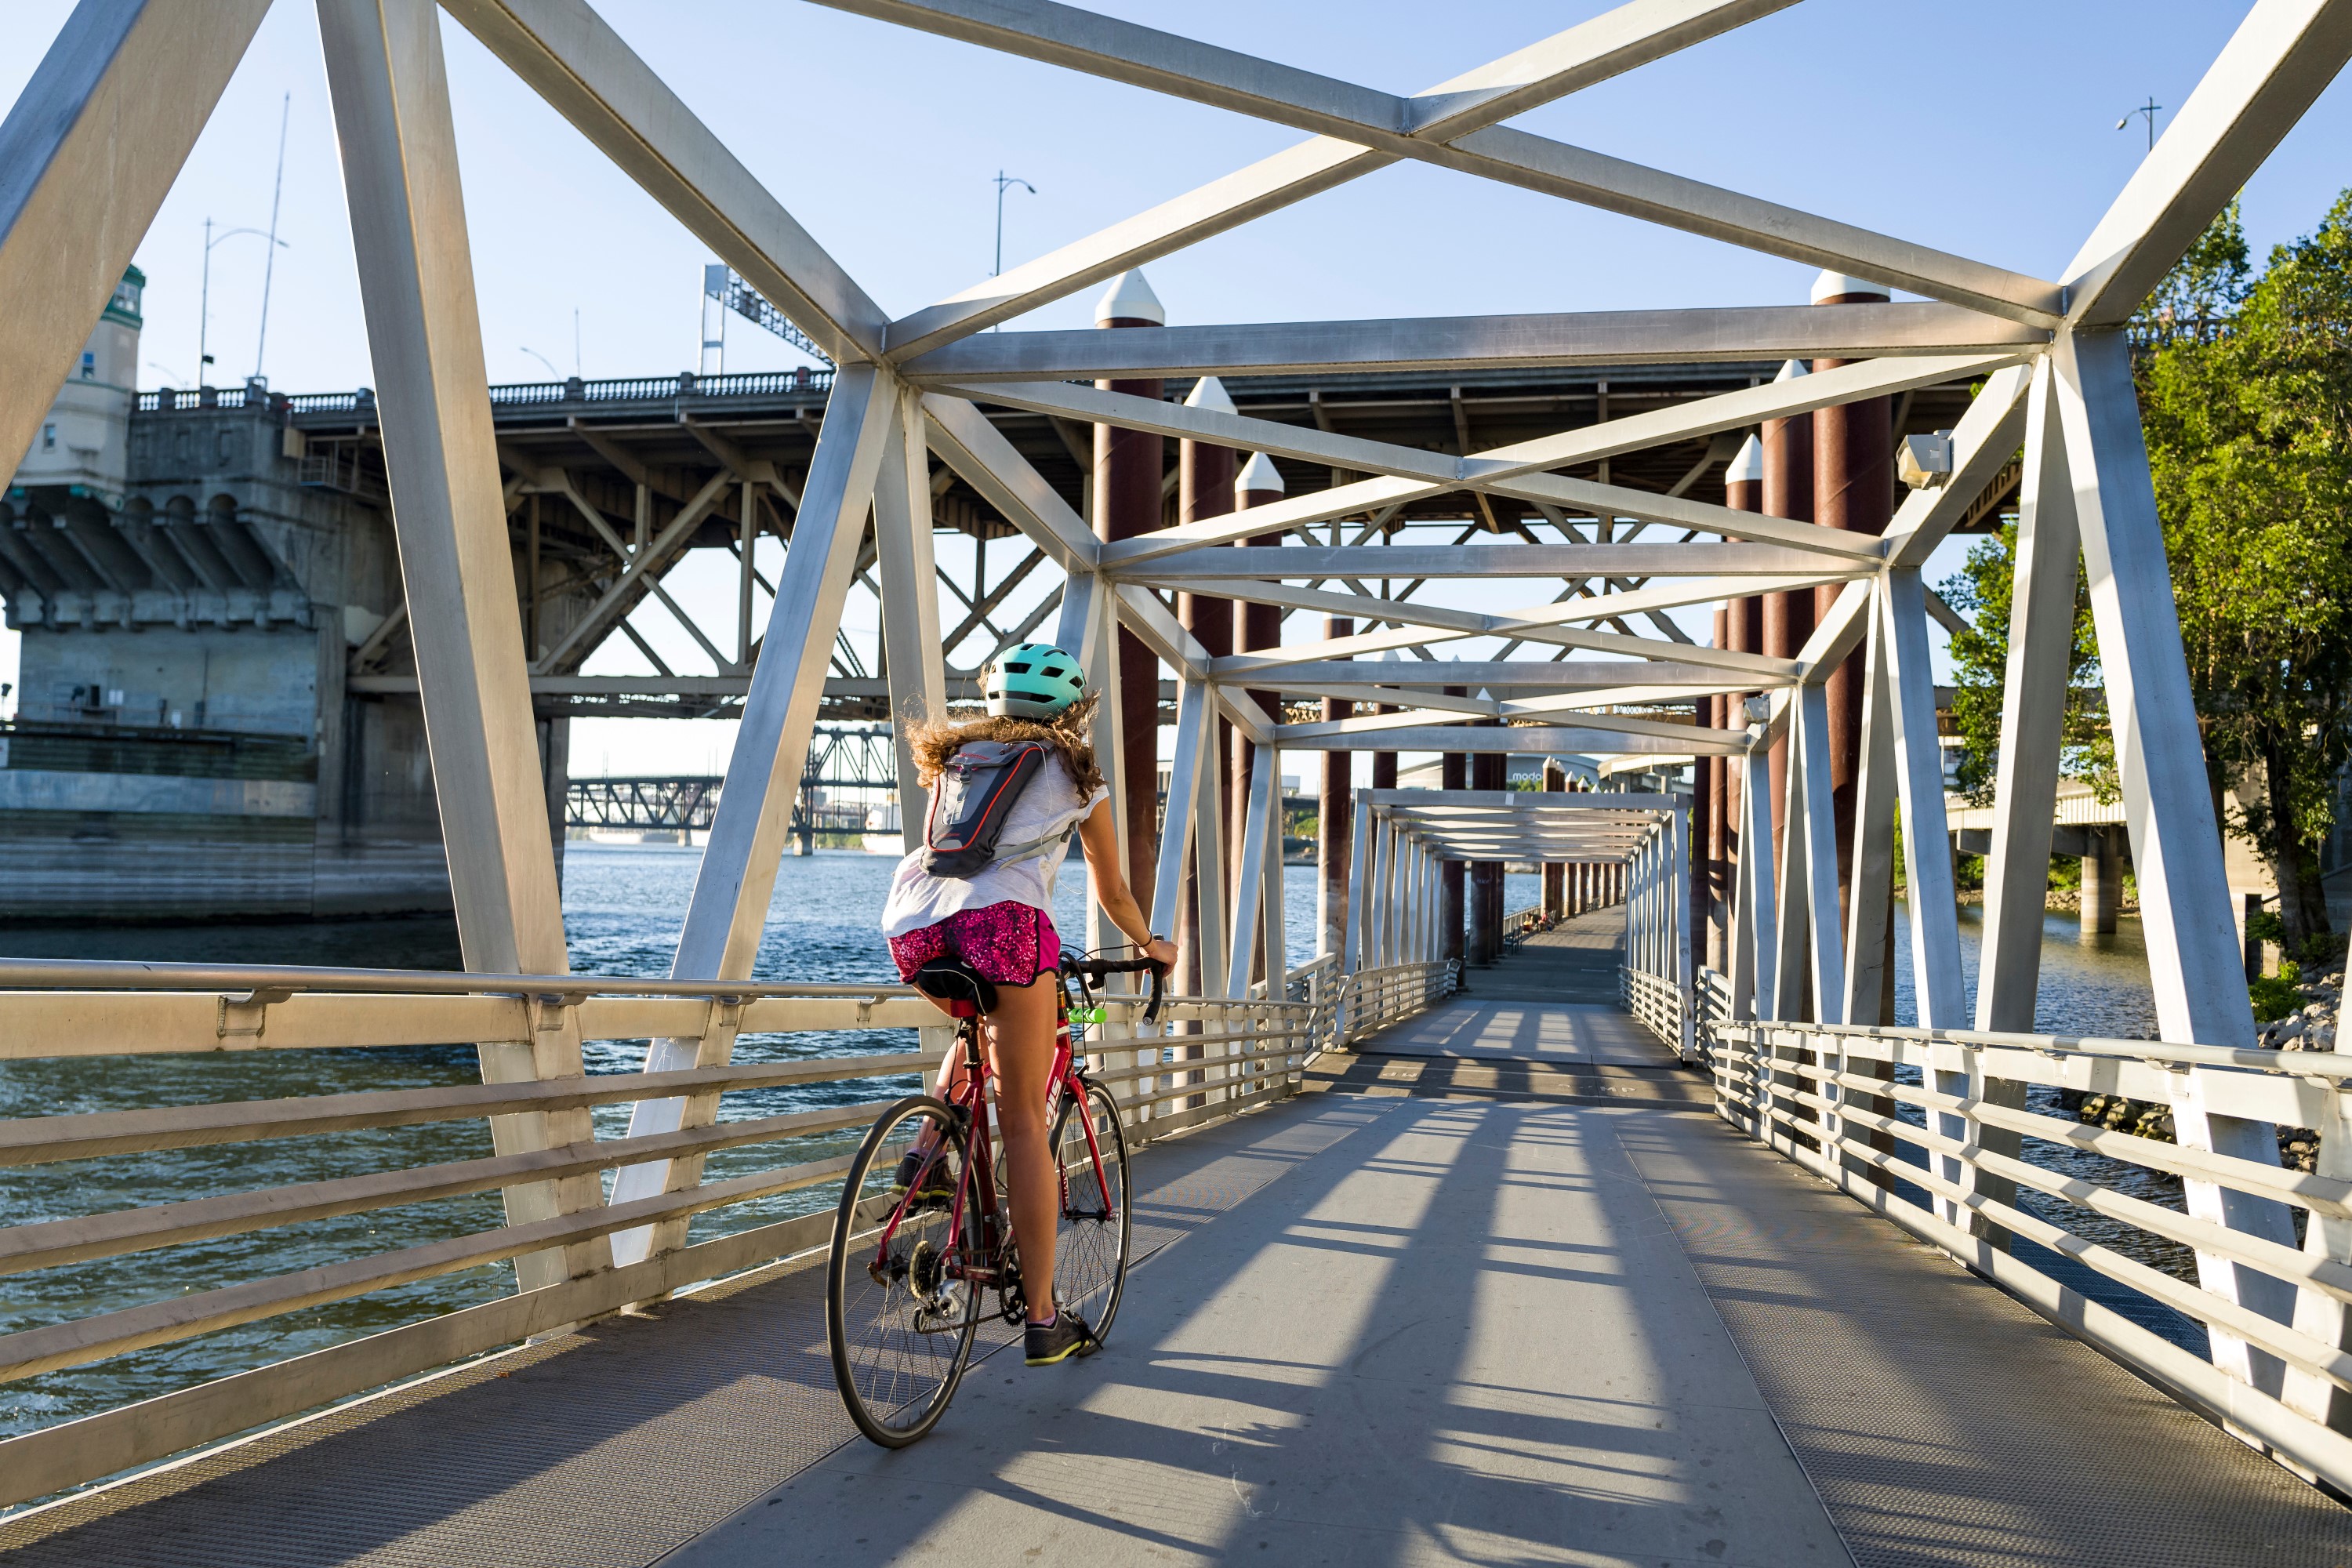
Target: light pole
2149	109
552	373
205	290
1003	180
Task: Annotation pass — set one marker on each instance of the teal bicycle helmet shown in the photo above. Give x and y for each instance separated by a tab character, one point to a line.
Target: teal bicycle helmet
1032	681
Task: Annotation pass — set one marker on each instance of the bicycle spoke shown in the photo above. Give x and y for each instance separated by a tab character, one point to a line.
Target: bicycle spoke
1094	1228
901	1325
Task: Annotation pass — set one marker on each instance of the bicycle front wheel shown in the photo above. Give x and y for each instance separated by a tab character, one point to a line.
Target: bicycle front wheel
898	1313
1093	1230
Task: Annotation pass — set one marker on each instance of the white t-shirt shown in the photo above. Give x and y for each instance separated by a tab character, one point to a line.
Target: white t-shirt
1049	806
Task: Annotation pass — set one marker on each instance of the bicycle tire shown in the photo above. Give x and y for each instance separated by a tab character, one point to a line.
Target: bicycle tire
897	1355
1092	1245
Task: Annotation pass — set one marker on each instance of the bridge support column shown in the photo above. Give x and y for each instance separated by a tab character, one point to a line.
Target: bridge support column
1787	491
1454	772
1259	483
398	144
910	597
1127	496
2192	947
2103	869
1333	820
1554	873
737	881
1204	489
1853	489
1487	770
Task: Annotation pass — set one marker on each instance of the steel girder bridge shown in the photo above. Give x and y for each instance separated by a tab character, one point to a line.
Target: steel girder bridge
1800	741
840	758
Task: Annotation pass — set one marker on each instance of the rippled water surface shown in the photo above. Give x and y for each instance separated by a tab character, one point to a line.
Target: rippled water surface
2089	985
623	910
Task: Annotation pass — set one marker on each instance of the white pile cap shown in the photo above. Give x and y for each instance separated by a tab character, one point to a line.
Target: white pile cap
1258	474
1130	299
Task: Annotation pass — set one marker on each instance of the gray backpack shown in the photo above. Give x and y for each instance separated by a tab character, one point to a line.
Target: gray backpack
975	794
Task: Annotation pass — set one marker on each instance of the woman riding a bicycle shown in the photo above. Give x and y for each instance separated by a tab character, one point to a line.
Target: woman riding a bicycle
998	922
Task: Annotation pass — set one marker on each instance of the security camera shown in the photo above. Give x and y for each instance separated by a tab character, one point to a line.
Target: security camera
1925	462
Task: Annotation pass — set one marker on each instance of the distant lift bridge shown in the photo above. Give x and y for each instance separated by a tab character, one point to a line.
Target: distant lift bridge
843	759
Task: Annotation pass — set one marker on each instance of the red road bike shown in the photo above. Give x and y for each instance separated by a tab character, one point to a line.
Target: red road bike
911	1263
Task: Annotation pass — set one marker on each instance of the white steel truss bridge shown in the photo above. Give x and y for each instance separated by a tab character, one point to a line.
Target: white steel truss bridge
1572	1262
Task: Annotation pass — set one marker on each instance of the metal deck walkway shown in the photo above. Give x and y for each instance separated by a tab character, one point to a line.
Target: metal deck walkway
1415	1323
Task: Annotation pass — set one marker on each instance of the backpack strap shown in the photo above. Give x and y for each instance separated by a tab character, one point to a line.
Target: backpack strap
1009	852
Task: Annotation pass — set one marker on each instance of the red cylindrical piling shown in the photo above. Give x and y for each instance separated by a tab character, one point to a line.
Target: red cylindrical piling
1787	447
1128	480
1204	489
1336	813
1853	489
1258	484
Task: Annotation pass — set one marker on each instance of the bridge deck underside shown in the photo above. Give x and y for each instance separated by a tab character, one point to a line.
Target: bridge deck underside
1373	1327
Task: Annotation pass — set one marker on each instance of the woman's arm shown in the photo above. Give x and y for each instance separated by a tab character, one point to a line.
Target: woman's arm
1099	837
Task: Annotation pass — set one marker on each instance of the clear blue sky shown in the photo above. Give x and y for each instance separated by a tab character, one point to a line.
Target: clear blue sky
1987	129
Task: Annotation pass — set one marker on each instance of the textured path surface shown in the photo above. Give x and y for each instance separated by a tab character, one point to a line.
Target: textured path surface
1576	961
1461	1332
1391	1322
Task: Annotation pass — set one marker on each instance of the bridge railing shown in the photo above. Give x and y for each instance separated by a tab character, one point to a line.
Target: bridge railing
1371	999
1661	1005
2033	1199
1207	1059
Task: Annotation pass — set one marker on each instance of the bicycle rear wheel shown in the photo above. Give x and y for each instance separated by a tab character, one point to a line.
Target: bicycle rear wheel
899	1319
1093	1231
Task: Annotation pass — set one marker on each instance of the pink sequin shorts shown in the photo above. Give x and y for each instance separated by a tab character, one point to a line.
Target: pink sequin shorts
1009	943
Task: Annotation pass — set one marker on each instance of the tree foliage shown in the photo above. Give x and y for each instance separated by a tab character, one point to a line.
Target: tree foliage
2245	388
1981	592
2249	429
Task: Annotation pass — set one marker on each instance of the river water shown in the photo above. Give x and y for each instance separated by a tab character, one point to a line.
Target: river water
623	910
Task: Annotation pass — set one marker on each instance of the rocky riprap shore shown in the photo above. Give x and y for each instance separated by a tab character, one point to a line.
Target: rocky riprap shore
2310	1028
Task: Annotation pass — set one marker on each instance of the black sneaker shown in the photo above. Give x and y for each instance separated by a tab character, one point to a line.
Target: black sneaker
1065	1336
939	1186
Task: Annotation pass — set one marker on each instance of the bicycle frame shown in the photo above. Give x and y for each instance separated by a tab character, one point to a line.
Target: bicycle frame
989	1264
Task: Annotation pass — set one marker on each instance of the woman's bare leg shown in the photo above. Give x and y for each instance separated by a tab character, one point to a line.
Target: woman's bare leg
1021	1042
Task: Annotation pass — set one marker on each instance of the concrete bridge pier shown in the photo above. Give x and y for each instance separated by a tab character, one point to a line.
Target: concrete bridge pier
2103	876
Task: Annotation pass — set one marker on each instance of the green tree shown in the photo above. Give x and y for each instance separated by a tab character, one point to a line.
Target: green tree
2246	398
2249	419
1981	592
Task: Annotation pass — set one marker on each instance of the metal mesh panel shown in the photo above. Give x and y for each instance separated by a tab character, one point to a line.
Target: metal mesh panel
1941	1421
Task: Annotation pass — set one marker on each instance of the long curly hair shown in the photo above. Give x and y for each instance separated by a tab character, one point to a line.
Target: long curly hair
934	741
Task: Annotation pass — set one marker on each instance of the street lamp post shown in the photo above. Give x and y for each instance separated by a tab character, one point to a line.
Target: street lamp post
1003	180
2149	110
205	290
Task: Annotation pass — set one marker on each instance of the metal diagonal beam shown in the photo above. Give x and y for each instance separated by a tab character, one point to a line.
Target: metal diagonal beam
1416	680
1515	157
87	154
731	891
617	601
1457	126
567	54
398	142
990	464
1515	469
1476	342
1429	624
1510	561
2280	59
1617	41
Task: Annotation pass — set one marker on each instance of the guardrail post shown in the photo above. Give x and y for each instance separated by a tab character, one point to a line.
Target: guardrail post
2194	962
398	142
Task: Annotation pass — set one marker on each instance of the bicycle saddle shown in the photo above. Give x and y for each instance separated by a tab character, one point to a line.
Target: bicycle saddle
949	979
